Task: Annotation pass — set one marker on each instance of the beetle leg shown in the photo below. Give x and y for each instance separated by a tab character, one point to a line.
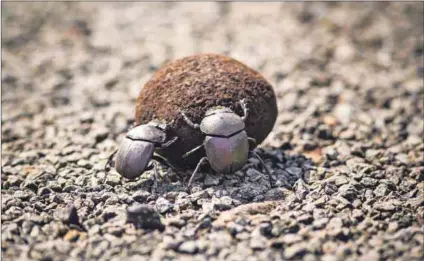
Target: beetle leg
162	159
149	167
167	126
156	176
152	165
189	122
243	105
192	151
169	142
252	141
263	165
203	160
109	161
130	126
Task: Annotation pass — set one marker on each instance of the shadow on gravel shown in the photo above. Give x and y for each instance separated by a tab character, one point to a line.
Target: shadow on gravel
250	184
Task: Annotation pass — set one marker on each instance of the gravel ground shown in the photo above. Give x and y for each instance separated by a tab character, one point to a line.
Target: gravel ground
346	152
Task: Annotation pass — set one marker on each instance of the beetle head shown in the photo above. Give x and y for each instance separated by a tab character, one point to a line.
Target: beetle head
150	132
159	124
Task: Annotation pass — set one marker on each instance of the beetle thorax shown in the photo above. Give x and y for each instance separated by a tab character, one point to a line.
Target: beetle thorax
147	132
221	122
159	124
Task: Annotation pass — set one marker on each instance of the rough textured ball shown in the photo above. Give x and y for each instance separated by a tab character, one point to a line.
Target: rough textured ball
196	83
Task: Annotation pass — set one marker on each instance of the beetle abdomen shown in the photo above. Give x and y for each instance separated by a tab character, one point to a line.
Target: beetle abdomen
227	155
133	157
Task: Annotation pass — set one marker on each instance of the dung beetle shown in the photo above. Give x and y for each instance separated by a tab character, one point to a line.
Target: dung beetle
136	151
226	143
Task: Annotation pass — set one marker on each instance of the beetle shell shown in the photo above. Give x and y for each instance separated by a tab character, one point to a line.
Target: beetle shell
222	124
227	155
133	157
147	132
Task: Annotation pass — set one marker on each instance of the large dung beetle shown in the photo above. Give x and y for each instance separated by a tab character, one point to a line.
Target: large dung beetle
226	143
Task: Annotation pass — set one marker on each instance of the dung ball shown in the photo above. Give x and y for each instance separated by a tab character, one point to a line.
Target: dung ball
197	83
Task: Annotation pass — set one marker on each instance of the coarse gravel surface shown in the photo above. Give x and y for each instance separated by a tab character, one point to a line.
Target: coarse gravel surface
346	152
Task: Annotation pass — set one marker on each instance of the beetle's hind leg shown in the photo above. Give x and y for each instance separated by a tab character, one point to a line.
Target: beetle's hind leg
154	166
263	165
201	162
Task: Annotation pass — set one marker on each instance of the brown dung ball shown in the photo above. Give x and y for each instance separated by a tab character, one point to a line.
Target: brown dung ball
196	83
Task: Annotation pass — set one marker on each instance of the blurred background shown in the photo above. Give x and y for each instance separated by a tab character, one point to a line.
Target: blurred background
62	59
348	79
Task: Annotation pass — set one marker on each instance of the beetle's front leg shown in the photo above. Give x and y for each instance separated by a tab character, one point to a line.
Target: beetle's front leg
131	126
201	162
189	122
252	141
243	105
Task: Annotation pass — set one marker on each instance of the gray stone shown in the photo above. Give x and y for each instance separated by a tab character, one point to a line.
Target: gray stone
144	216
188	247
163	205
68	215
141	196
297	172
113	179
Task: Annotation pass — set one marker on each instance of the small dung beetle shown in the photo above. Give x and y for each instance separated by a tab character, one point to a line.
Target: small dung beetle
137	149
226	143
